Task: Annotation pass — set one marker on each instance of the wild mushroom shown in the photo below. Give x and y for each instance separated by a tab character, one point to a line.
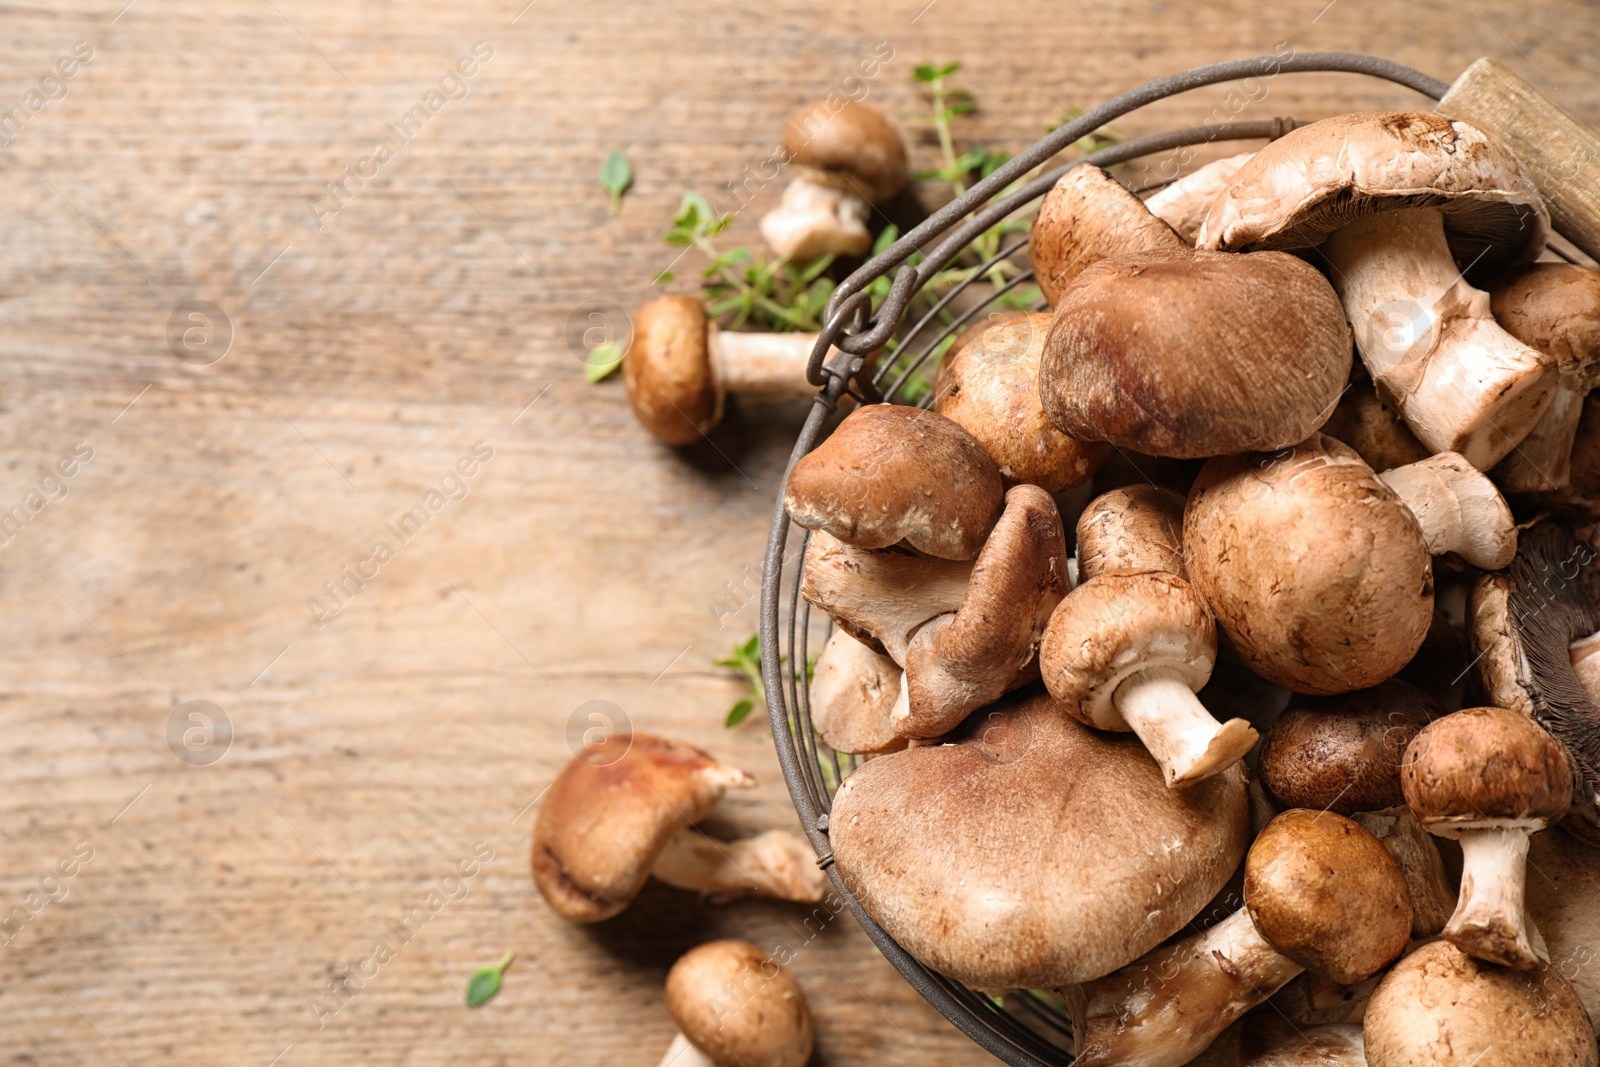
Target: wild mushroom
1135	528
1273	1041
1488	778
1128	650
989	383
853	689
1061	854
1319	894
1554	308
735	1007
681	367
1367	423
1564	903
1441	1008
890	474
1318	570
1150	351
625	810
1183	204
846	157
1402	205
1086	216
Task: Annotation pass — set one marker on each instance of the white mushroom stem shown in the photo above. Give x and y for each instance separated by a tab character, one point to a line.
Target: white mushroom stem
1458	509
1412	847
762	362
775	864
1180	734
1490	920
812	220
883	594
1543	461
683	1054
1183	204
1461	382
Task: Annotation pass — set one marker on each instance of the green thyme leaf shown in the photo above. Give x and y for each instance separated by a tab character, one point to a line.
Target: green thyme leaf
484	984
602	361
738	713
616	176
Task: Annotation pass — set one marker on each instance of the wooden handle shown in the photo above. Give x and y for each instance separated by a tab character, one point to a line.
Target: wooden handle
1561	154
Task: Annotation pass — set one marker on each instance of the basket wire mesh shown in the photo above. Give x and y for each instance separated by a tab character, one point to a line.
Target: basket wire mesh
1023	1027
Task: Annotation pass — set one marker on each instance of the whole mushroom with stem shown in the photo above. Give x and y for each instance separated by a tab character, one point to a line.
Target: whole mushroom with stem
735	1007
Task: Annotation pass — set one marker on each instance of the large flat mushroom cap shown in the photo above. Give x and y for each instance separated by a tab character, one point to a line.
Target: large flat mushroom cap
1316	179
848	146
1185	354
671	383
891	473
739	1007
1033	852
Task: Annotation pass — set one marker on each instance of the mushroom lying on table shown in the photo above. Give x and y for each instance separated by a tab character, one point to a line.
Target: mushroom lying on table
1184	203
846	157
625	811
853	689
735	1007
1402	205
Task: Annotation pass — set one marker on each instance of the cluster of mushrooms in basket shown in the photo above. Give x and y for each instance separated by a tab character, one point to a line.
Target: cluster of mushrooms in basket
1314	420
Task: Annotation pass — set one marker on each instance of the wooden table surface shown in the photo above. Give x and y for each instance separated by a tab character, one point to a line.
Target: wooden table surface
193	912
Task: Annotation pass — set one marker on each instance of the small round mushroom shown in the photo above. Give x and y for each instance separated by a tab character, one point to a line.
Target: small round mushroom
1183	204
1085	217
1180	353
853	689
890	474
1564	905
1128	650
681	367
1030	851
1135	528
735	1007
1439	1007
1319	894
1402	205
624	811
1488	778
847	157
1268	1040
989	383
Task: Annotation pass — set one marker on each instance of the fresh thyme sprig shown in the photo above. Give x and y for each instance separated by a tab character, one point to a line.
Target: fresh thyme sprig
746	659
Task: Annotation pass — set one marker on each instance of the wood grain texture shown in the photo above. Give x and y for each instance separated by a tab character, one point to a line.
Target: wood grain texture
368	355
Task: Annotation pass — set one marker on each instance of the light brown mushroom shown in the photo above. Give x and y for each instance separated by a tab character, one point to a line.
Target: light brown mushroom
881	596
1183	204
853	689
1268	1040
890	474
1085	217
1135	528
624	811
735	1007
1370	425
1458	509
846	157
1564	905
1441	1008
1402	205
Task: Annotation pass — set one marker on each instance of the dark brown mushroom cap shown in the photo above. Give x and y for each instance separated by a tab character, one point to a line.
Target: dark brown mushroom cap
1554	307
1482	765
1327	894
848	146
1086	216
989	383
1343	753
1442	1008
1181	354
1317	179
672	386
1314	568
738	1007
1135	528
890	474
1032	851
607	816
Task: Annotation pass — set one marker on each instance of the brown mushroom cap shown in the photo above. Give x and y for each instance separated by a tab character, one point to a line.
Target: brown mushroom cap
1367	423
1554	307
738	1007
847	146
1135	528
890	474
1480	766
1033	852
1327	895
1181	354
1086	216
853	690
1442	1008
607	817
672	386
1319	178
1314	568
989	383
1343	753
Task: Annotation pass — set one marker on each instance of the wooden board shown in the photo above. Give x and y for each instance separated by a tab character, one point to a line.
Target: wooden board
430	312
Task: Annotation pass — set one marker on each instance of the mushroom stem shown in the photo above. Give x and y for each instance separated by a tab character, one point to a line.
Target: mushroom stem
774	864
1460	381
1458	509
812	220
1490	921
1163	1010
1180	734
682	1053
1543	461
762	362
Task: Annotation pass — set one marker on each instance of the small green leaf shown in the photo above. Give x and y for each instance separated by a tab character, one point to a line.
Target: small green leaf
484	984
738	713
616	176
602	361
664	277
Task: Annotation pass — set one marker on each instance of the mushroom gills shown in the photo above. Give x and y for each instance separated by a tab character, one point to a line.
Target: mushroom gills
1182	736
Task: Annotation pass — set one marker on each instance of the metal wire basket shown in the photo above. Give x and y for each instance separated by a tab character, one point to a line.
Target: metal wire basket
1023	1028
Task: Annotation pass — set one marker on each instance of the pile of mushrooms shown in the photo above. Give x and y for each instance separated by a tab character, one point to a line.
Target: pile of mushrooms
1292	749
